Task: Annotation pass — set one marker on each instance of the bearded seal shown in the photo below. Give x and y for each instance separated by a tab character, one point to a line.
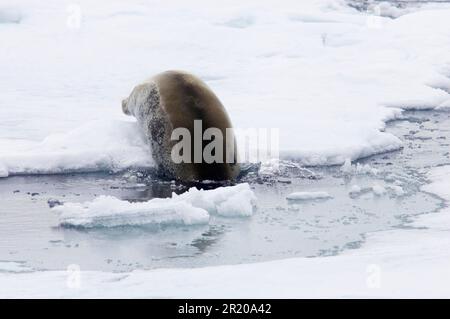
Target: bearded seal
179	115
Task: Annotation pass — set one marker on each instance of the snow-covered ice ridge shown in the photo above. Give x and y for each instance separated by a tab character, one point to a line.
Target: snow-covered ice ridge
13	267
97	146
322	72
190	208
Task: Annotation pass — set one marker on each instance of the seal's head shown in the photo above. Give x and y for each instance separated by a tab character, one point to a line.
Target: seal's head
125	107
140	96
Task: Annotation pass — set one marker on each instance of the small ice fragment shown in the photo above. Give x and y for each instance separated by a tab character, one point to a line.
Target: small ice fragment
308	195
378	190
347	167
236	206
355	189
276	167
398	190
365	169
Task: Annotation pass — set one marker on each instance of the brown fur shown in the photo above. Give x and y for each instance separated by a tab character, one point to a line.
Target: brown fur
175	99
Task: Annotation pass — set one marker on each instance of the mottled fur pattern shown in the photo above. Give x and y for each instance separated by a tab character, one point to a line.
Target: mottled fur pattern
144	104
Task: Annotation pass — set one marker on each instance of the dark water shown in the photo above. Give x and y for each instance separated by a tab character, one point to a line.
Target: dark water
29	230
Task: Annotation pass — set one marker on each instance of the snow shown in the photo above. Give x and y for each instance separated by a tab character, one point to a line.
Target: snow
231	201
441	180
397	8
357	169
3	171
190	208
326	75
401	263
308	195
347	166
378	190
319	71
9	15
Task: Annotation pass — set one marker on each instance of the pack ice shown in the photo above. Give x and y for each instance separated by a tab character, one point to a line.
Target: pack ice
190	208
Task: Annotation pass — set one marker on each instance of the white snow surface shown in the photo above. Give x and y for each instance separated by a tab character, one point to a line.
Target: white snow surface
190	208
96	146
378	190
402	263
321	72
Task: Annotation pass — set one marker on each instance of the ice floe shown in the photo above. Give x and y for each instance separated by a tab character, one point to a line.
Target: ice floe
100	145
298	196
190	208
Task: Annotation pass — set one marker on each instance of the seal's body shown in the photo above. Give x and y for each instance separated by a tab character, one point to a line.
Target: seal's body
177	100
